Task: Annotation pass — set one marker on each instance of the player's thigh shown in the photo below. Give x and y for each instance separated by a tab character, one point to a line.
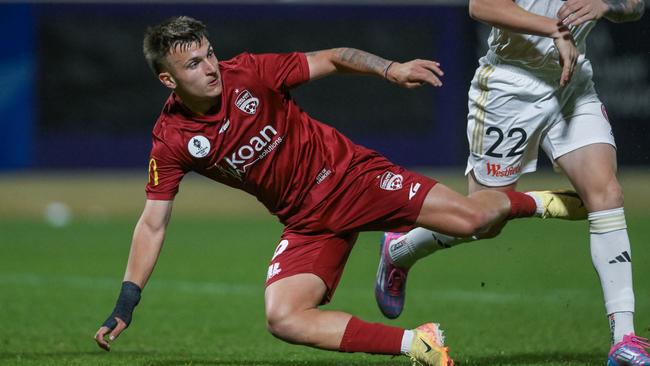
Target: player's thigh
582	145
592	171
449	212
508	114
294	293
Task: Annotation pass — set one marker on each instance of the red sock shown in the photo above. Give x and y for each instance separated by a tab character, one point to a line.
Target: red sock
521	205
366	337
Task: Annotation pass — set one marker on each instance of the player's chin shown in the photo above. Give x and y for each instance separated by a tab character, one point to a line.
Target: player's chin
213	91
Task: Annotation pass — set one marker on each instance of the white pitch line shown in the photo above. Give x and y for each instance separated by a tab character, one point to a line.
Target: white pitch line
572	296
218	288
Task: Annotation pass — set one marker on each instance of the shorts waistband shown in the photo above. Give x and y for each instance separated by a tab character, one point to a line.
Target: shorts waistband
540	73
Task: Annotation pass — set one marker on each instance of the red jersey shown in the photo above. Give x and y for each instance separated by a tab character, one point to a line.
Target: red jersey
259	141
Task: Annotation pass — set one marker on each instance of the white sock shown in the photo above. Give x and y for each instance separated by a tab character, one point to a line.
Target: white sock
612	258
620	324
418	243
407	341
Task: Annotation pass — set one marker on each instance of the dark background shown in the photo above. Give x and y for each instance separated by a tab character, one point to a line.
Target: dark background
78	94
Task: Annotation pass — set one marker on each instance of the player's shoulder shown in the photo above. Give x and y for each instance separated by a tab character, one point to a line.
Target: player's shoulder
253	59
241	60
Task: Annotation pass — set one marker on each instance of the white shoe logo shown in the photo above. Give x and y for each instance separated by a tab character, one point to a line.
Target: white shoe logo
414	190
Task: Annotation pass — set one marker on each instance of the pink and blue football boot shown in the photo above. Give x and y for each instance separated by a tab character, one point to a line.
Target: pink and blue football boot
631	351
390	284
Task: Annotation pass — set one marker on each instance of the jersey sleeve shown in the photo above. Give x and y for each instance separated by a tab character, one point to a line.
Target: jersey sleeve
283	71
165	175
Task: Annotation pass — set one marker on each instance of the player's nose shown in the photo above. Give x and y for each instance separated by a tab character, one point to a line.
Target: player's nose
210	68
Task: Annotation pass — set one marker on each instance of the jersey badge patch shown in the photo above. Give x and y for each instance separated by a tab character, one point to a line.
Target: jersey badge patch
198	146
390	181
247	102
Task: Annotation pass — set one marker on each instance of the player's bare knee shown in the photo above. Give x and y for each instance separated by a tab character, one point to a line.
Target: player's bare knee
468	224
476	222
286	324
603	198
614	195
281	326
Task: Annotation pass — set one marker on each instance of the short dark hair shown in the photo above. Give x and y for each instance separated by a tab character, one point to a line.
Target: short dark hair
177	32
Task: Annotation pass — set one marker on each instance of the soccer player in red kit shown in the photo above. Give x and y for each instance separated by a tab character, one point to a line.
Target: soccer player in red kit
234	122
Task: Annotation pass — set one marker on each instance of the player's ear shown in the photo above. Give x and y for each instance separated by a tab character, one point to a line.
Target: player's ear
167	80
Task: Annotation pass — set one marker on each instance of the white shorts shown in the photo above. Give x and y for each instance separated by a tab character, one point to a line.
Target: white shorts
512	112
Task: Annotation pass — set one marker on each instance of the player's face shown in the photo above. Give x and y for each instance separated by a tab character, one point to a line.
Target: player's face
193	72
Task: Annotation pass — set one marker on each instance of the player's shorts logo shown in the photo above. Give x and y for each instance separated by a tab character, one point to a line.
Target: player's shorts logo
247	102
495	170
390	181
198	146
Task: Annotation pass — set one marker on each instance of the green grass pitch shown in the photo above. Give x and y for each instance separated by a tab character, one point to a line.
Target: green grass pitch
529	297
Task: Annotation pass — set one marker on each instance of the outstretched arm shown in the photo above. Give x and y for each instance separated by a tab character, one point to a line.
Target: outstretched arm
576	12
349	60
148	238
505	14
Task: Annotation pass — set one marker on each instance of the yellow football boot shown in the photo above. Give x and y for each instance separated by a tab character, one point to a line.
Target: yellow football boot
560	204
428	347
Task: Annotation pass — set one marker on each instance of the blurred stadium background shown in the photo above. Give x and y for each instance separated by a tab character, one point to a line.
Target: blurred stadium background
78	102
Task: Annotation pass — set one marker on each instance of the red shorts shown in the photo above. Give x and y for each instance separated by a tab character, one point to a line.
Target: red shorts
375	196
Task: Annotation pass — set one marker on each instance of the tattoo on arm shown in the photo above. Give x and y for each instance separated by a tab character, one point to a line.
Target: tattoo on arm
624	10
360	61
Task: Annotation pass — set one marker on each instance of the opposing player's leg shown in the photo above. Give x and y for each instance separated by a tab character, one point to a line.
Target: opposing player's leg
303	275
592	171
504	131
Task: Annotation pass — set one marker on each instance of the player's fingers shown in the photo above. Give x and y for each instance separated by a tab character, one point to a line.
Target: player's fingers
413	84
435	70
101	341
567	71
582	19
564	78
577	15
121	325
427	77
565	11
433	67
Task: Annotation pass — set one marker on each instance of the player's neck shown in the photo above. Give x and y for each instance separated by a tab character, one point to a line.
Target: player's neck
202	107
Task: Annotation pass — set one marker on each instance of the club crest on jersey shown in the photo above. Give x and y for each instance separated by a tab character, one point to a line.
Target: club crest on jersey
198	146
390	181
247	102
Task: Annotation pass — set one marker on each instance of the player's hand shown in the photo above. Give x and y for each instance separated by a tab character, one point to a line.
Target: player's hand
568	53
576	12
121	316
112	333
415	73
